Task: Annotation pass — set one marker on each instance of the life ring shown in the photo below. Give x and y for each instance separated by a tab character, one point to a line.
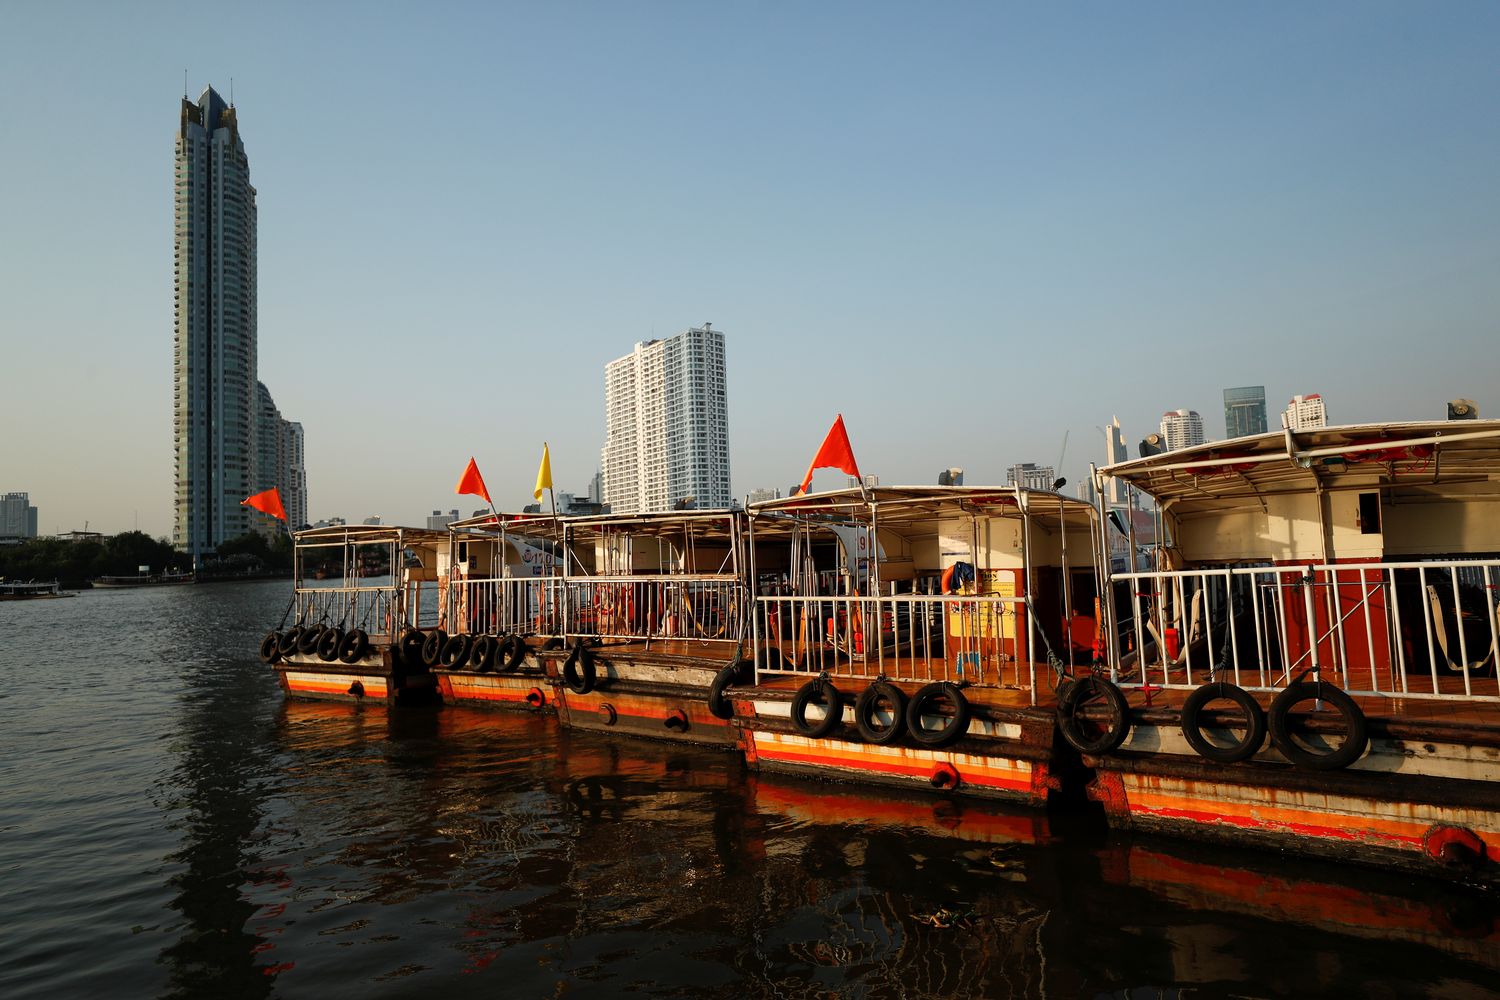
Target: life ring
354	646
1279	721
328	644
432	647
535	698
676	720
307	642
869	703
455	650
833	708
511	653
718	705
482	654
270	650
287	645
1076	728
1255	723
925	700
411	649
944	775
578	670
956	576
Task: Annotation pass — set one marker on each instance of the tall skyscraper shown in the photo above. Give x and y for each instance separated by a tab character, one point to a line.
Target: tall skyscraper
219	430
1245	411
666	420
1304	413
1115	452
17	516
1181	429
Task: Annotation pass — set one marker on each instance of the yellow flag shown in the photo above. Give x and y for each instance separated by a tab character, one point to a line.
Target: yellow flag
543	475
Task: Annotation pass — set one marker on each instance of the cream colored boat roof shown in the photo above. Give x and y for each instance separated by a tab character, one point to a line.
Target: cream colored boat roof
896	504
1419	453
703	523
369	534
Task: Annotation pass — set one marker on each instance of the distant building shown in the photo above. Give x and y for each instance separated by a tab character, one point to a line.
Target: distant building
372	519
666	420
1181	429
1031	476
81	536
868	481
951	477
596	488
330	522
761	496
1244	411
439	521
17	516
1305	413
278	464
1114	453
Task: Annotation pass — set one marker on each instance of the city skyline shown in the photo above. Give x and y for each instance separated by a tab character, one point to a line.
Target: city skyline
1130	211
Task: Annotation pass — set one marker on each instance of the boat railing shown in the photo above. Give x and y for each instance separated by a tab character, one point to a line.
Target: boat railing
689	607
1385	629
374	608
903	637
505	605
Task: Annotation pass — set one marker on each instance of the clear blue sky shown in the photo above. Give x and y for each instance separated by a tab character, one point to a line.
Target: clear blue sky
968	227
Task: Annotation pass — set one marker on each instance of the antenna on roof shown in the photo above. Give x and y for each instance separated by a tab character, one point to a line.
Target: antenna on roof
1060	456
184	83
231	91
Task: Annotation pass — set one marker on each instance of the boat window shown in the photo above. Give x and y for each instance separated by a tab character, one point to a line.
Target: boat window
1369	513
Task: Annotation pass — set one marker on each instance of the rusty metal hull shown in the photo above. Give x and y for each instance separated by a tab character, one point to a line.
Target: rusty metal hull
637	693
528	692
375	677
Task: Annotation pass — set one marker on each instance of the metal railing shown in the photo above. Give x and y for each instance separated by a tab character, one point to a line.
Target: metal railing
703	608
372	608
1389	629
505	605
903	637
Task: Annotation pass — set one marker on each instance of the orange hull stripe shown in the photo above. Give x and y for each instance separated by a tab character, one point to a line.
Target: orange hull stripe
373	689
885	765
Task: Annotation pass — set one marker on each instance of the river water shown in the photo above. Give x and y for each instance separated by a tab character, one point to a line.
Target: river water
170	826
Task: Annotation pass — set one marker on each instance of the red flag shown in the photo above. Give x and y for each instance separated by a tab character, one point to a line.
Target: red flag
471	483
835	453
268	502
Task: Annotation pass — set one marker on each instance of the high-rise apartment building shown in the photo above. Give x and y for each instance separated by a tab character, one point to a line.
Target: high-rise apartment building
221	434
1031	476
1115	452
1181	429
1244	411
666	420
1304	413
17	516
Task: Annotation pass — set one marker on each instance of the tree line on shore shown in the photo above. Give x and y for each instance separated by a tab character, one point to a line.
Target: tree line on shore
73	564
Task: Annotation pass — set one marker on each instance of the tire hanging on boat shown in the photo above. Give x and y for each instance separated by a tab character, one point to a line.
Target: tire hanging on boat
270	650
455	650
307	642
354	646
718	705
432	647
511	653
328	644
1356	738
1082	693
482	654
925	700
1248	744
411	648
833	708
578	670
289	639
869	704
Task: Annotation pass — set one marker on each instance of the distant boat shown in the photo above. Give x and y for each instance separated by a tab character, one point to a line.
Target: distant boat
30	590
144	580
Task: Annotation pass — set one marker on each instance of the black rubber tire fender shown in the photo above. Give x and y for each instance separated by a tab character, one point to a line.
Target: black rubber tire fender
410	647
578	669
432	647
482	654
354	646
555	642
1080	693
1355	743
270	650
956	726
456	651
328	644
865	708
289	639
718	705
307	642
833	712
511	653
1255	723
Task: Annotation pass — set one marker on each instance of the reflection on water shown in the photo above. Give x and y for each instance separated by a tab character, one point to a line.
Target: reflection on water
170	817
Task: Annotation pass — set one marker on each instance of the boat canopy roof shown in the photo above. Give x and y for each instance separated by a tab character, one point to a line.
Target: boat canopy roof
1419	453
369	534
894	505
702	523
